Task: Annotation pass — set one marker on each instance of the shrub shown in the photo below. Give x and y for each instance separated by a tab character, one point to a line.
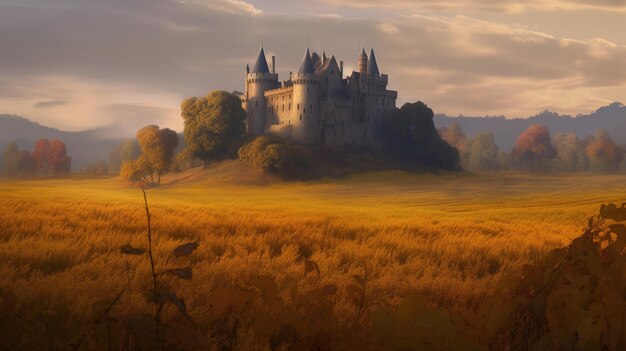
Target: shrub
277	156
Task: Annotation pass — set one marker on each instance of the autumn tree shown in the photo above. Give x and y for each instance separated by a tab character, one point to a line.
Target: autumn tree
482	152
157	147
604	154
51	157
533	149
157	154
16	162
58	161
454	135
128	150
41	154
214	125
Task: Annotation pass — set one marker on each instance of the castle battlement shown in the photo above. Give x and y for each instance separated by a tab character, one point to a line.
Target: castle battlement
318	105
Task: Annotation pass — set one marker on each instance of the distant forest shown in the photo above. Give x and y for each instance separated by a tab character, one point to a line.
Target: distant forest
611	118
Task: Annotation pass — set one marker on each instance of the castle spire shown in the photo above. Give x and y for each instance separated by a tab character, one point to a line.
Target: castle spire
261	63
307	64
362	62
372	66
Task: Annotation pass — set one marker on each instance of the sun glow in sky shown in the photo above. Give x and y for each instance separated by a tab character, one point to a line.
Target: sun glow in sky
77	64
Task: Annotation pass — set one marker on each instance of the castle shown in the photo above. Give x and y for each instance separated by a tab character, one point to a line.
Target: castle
317	105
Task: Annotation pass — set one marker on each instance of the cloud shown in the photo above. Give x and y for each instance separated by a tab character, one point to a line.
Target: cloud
120	62
505	6
49	104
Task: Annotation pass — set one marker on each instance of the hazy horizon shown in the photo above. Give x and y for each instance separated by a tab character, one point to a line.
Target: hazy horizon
78	65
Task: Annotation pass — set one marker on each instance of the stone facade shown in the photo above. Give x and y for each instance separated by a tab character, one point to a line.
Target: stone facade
317	105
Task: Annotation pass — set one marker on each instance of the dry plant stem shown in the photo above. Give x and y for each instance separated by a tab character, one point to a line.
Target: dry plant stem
102	316
154	275
154	278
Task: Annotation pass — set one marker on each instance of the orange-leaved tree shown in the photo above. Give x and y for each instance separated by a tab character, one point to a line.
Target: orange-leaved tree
533	149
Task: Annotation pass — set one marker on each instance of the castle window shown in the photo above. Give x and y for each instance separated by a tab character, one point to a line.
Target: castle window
256	103
307	89
300	117
298	107
304	109
290	106
283	107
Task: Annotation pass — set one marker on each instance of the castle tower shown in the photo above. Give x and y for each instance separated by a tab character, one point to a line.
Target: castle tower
257	82
306	121
362	62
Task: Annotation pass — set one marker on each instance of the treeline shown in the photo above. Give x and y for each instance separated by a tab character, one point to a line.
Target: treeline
48	159
537	151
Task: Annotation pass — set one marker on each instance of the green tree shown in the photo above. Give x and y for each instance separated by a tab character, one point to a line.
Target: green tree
571	155
482	152
214	125
277	156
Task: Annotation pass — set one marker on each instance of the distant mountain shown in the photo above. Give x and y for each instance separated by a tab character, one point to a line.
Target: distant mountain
611	117
84	146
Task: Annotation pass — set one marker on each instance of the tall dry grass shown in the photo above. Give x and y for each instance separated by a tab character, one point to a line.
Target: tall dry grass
451	237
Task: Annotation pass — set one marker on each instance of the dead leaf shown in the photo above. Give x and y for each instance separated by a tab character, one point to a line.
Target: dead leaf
185	249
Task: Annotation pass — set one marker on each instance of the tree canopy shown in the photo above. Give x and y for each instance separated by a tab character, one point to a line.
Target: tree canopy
533	148
214	125
411	136
157	154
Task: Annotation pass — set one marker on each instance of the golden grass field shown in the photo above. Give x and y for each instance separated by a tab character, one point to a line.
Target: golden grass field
451	236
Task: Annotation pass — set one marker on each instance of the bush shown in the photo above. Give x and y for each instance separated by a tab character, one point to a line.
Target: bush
277	156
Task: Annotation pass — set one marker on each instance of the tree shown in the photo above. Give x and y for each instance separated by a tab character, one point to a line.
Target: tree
51	157
16	162
214	125
138	172
410	136
157	147
482	152
533	149
41	154
454	136
604	154
58	161
571	155
157	155
128	150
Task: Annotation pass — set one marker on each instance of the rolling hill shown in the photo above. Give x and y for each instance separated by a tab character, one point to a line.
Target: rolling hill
83	146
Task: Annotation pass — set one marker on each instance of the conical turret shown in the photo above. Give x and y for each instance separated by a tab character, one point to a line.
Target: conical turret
372	65
261	63
307	65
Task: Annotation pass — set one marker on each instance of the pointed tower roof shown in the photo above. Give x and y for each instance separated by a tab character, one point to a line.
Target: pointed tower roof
363	54
372	66
307	64
261	63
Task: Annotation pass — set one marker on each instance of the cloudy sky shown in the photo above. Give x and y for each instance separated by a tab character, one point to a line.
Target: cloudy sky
76	64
